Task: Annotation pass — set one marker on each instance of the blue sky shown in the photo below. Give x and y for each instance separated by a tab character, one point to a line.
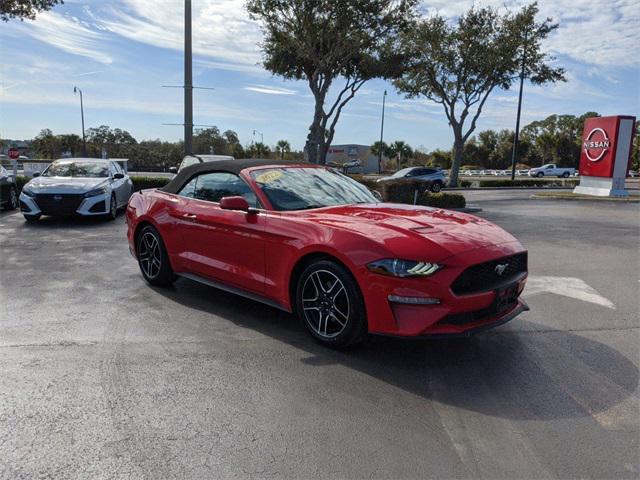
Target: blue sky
121	52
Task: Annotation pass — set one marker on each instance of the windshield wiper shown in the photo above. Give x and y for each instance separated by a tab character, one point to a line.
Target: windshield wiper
309	207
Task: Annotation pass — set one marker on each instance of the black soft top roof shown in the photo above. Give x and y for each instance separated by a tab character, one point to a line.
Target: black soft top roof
230	166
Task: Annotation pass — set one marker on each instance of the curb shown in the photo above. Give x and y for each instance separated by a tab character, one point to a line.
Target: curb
630	199
467	209
467	189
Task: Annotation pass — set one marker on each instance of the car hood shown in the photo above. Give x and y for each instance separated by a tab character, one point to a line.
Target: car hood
66	184
411	231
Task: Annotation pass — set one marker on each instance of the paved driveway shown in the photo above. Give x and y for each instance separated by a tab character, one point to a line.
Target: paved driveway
103	376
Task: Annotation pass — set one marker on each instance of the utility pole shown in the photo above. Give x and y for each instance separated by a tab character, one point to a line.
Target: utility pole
84	140
514	155
188	81
384	97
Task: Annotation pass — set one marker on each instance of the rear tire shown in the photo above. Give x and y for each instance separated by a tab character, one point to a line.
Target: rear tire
565	175
436	187
153	259
329	303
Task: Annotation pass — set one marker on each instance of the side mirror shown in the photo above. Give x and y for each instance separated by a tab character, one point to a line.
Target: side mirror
378	195
235	203
118	176
36	174
173	170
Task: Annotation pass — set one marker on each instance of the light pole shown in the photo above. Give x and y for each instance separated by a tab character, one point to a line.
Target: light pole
514	154
188	81
84	140
261	135
384	97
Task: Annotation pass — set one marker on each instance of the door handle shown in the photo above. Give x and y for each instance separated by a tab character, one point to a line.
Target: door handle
189	216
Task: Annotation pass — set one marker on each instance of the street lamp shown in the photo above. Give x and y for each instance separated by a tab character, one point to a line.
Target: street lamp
261	135
84	141
384	96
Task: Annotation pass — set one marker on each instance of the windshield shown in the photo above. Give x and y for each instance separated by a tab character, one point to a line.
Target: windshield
303	188
77	169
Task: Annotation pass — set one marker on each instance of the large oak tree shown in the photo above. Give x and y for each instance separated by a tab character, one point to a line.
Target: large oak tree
325	42
458	64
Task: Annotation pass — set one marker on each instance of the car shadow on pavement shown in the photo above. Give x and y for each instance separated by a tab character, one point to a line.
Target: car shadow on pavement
524	374
71	222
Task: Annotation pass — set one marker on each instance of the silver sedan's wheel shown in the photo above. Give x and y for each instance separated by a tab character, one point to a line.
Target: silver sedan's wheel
325	304
150	255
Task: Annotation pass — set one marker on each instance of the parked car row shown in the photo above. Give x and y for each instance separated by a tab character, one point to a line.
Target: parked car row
303	238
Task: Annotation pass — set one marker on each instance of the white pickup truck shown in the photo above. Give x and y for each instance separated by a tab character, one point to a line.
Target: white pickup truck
551	170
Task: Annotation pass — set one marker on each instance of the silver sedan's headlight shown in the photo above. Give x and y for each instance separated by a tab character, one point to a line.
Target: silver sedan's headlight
403	268
95	192
28	191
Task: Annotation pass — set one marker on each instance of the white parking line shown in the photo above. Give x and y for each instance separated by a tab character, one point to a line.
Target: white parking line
568	287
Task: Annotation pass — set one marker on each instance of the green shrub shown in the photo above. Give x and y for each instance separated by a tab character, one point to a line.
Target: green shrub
402	191
370	183
20	181
142	183
442	200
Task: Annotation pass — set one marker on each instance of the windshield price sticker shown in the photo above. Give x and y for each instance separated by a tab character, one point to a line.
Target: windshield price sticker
268	177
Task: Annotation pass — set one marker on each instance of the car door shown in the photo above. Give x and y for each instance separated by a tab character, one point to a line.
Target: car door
224	245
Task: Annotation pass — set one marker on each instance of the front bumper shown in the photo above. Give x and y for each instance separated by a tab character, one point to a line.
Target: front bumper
452	314
65	204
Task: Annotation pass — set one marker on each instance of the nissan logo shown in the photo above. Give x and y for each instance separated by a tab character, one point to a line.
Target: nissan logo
500	268
57	197
595	148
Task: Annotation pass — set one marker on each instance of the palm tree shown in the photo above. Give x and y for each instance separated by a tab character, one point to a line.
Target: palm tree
283	147
401	150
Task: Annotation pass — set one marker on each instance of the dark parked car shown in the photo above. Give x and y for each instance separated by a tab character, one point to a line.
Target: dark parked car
8	190
433	176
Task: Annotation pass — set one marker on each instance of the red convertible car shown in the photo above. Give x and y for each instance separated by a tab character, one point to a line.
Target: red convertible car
310	240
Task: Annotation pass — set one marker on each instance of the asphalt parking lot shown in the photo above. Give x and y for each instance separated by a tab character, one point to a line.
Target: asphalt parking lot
103	376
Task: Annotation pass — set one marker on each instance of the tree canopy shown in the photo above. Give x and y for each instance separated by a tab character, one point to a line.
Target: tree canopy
24	8
458	65
321	41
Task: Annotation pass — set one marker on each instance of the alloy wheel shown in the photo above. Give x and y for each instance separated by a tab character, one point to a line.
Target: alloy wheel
112	208
150	255
13	199
325	303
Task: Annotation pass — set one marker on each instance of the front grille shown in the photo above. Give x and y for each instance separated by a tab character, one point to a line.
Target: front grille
484	277
58	204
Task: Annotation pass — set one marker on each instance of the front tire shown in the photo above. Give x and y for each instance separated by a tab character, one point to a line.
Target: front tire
539	175
329	303
113	209
565	175
12	202
153	259
436	187
32	218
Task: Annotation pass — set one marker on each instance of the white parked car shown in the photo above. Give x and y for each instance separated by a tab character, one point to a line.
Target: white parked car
77	186
633	174
551	170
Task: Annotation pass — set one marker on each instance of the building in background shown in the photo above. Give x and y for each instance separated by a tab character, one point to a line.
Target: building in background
341	154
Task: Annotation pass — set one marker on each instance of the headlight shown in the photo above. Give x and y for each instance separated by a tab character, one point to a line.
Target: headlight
97	191
403	268
28	191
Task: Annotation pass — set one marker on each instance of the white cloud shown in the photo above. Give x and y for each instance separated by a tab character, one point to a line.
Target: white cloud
269	90
221	29
596	32
66	35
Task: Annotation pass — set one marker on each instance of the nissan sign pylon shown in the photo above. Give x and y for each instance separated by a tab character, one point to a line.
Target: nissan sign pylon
605	156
